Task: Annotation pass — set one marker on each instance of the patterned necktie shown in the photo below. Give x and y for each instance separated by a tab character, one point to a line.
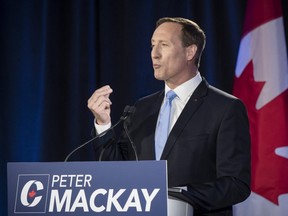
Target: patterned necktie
163	124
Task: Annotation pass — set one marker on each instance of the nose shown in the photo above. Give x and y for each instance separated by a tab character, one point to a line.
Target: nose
155	53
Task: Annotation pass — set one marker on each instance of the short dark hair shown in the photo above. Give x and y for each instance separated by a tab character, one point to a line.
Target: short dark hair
191	34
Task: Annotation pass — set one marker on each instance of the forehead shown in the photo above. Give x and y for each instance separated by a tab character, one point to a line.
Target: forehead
168	31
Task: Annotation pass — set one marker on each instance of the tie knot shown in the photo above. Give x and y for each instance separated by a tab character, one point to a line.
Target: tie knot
170	95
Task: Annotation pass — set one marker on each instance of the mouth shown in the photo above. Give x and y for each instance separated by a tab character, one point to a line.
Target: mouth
156	66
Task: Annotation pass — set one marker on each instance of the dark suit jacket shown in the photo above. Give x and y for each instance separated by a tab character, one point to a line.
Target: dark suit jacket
208	148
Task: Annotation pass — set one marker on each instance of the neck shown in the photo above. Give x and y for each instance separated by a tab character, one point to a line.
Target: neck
172	84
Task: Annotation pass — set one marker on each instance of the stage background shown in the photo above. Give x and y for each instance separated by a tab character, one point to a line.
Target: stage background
55	53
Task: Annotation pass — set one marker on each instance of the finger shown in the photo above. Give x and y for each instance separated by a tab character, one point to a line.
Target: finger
105	106
101	109
101	112
95	104
103	91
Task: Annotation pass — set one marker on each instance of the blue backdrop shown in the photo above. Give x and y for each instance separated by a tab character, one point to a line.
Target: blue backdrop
55	53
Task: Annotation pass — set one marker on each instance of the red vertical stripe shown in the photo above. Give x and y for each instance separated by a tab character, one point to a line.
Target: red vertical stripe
259	12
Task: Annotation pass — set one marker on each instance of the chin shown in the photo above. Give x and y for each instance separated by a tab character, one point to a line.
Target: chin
158	76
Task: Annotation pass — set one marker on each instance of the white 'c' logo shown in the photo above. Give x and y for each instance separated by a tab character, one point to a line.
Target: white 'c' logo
25	193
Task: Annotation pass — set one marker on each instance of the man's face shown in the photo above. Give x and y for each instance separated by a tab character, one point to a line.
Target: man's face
169	57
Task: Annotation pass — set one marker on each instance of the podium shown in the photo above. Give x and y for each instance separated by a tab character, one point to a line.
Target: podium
178	207
85	188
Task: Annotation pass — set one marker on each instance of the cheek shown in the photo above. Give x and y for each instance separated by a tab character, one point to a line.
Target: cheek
176	61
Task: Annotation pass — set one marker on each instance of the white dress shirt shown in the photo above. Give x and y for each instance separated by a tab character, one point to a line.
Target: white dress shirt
184	92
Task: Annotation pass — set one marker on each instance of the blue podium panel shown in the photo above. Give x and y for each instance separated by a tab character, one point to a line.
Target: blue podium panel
125	188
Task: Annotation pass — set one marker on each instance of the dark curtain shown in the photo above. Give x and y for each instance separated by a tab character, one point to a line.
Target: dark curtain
55	53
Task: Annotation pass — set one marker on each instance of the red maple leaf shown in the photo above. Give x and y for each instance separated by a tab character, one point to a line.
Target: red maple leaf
268	129
31	194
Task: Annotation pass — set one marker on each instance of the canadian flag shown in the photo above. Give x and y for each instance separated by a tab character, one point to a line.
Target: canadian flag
261	82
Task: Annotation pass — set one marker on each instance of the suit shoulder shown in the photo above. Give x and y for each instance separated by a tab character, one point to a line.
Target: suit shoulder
222	97
150	98
207	90
220	93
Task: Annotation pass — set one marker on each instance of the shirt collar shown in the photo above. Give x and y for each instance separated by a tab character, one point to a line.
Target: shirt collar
186	89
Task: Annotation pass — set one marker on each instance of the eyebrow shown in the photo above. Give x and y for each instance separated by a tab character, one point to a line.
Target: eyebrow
160	41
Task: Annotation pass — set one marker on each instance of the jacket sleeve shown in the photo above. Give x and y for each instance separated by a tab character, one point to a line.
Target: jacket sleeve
106	148
233	168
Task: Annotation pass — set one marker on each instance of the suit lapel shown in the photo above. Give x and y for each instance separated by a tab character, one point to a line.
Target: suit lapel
189	110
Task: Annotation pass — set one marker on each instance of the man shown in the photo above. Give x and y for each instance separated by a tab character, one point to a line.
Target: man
208	147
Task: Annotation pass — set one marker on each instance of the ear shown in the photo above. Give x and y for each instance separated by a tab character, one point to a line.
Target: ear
191	51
